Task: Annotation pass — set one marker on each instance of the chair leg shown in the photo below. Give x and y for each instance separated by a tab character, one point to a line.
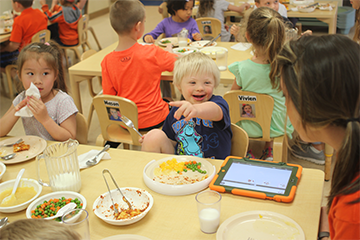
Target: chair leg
96	40
329	151
126	146
278	148
100	141
8	70
90	115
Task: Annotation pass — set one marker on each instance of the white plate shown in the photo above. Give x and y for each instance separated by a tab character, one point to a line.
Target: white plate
173	41
187	50
259	225
37	146
211	51
177	190
2	169
200	44
302	8
3	32
58	194
126	237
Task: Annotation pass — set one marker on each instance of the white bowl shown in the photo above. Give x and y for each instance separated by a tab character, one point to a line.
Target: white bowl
299	2
25	182
188	50
59	194
177	190
302	8
2	169
139	199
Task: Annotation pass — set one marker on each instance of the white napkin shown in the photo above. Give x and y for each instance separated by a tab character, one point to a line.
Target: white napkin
294	9
241	46
83	158
25	111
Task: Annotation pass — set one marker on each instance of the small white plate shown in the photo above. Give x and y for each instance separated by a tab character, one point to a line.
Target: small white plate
200	44
185	50
172	40
37	146
126	237
259	225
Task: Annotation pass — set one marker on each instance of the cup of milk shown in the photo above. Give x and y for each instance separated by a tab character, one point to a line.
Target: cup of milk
221	59
182	38
208	205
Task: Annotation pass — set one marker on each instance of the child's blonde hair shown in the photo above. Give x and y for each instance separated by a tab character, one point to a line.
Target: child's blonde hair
266	31
193	64
52	55
124	14
37	229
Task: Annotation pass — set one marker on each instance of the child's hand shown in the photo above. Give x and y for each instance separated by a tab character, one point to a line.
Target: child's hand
22	104
226	27
38	108
42	2
244	6
307	33
141	140
186	109
234	30
149	39
196	36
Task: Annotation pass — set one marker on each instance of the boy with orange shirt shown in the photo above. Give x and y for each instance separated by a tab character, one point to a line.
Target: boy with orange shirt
133	70
67	16
25	26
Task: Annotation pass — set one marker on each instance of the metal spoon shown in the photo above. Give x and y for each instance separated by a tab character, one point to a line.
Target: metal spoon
16	184
11	144
8	157
3	222
62	210
93	161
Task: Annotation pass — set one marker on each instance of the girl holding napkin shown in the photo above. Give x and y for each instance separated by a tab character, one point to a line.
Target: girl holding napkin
45	108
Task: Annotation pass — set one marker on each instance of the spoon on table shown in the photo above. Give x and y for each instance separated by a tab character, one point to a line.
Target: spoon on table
11	144
16	184
63	210
8	157
3	222
93	161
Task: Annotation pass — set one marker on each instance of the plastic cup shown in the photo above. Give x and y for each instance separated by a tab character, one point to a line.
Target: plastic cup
221	60
208	205
81	225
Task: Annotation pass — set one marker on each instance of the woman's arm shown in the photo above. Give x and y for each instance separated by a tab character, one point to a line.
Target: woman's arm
8	121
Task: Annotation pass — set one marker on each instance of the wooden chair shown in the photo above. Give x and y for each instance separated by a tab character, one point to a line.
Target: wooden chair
239	141
82	38
84	56
81	129
263	105
165	13
329	151
9	79
116	131
213	24
42	36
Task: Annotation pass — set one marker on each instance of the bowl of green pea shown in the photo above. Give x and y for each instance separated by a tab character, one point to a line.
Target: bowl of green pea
49	204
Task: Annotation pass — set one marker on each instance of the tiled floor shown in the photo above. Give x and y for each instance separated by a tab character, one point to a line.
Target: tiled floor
107	36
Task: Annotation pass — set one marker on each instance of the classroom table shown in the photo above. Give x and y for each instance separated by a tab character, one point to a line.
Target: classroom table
174	217
329	17
91	67
4	37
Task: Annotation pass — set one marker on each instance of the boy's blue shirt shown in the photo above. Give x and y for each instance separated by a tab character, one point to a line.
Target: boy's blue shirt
201	137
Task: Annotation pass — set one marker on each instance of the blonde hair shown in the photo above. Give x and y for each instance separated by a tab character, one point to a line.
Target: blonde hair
206	7
37	229
193	64
53	56
124	14
266	31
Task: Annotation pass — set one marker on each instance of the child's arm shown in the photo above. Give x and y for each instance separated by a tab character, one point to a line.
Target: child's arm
154	34
12	46
234	30
81	4
238	9
8	121
235	86
207	110
67	128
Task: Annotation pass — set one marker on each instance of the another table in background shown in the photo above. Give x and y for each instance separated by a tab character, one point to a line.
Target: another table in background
4	37
91	67
175	217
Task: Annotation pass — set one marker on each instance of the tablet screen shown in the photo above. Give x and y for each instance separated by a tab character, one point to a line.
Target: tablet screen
259	178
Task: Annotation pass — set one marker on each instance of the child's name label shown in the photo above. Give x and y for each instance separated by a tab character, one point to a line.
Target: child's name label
247	98
111	103
205	22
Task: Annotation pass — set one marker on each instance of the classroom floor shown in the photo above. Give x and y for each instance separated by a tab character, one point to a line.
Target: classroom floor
107	36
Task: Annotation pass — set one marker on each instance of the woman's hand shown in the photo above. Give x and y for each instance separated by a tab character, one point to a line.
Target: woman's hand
196	36
234	30
149	39
39	109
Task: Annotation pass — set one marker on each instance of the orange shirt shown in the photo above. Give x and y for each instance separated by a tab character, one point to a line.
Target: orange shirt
344	218
135	74
67	18
26	25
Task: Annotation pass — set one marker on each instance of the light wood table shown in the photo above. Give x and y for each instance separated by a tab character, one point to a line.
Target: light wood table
4	37
175	217
91	67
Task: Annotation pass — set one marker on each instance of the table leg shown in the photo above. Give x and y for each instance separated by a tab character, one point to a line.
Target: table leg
331	22
75	90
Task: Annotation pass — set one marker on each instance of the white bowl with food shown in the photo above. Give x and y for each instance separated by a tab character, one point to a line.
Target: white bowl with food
27	191
162	178
185	50
140	200
2	169
57	198
305	8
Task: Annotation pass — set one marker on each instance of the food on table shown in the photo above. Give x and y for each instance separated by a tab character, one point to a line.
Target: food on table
51	207
183	50
126	213
201	44
178	173
21	147
165	41
22	195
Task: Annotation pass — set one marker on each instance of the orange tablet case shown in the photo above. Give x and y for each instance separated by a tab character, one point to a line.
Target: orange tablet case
290	189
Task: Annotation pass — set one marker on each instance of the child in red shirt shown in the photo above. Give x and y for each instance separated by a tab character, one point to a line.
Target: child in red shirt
25	26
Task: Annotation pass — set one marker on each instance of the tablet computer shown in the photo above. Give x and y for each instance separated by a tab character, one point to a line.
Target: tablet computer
257	178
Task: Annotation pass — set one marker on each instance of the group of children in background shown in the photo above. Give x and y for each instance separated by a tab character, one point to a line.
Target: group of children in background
302	76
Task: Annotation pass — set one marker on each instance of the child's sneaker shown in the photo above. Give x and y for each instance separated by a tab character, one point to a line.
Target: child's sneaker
267	154
249	154
309	153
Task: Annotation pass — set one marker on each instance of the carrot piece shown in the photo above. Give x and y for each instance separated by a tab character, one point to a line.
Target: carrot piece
198	166
194	162
33	216
33	211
